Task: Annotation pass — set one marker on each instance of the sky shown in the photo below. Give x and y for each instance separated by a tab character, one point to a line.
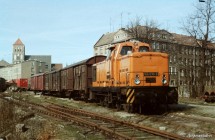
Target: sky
68	29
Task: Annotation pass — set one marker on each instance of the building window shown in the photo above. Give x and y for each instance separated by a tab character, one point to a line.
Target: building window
174	58
172	82
164	46
170	58
170	69
189	51
175	70
182	72
181	82
164	36
153	45
197	73
194	62
157	46
194	51
197	52
15	57
46	66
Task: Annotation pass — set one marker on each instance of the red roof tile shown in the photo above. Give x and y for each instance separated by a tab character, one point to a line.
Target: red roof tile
18	42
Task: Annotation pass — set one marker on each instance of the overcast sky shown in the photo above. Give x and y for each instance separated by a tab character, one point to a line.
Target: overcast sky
68	29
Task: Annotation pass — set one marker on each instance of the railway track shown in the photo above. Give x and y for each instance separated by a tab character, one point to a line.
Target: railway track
112	128
116	125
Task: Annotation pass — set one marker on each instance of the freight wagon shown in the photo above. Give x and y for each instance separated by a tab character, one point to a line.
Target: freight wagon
71	81
19	84
38	83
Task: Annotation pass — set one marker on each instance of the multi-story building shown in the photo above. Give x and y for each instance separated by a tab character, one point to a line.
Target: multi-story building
22	70
185	57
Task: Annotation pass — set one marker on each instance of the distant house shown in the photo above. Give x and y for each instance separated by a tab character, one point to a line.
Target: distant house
3	63
109	39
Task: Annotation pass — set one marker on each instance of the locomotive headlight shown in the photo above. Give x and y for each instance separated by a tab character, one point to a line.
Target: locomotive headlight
137	79
164	81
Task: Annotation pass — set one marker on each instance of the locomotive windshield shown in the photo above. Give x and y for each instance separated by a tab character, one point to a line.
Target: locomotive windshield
125	50
143	49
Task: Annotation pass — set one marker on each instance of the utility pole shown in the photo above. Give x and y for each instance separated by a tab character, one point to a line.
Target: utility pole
121	18
110	24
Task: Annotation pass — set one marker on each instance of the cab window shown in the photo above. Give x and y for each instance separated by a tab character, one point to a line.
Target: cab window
125	50
143	49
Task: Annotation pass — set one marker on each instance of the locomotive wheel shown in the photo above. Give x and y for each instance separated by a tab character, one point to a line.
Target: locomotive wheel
106	103
129	108
118	106
62	95
101	102
109	105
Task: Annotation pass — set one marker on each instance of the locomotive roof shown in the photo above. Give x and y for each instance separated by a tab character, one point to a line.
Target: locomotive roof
83	61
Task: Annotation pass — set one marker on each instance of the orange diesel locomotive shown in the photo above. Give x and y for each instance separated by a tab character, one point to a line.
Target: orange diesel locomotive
132	77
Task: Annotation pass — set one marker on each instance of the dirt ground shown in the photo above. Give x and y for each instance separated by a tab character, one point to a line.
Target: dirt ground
46	128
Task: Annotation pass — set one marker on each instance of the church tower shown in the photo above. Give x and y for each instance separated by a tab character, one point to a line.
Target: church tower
18	52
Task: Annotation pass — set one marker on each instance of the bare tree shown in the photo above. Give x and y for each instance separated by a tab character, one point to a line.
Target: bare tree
144	32
201	26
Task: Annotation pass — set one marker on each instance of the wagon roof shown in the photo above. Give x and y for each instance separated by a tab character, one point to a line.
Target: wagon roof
83	61
37	74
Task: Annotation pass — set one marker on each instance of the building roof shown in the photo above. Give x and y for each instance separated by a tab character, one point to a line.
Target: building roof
105	39
185	40
211	45
3	63
18	42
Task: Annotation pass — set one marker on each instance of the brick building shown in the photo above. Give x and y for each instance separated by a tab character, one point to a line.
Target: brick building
185	57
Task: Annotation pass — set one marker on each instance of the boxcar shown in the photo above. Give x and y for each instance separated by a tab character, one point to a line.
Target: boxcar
38	82
46	80
76	79
67	80
22	83
56	81
19	84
